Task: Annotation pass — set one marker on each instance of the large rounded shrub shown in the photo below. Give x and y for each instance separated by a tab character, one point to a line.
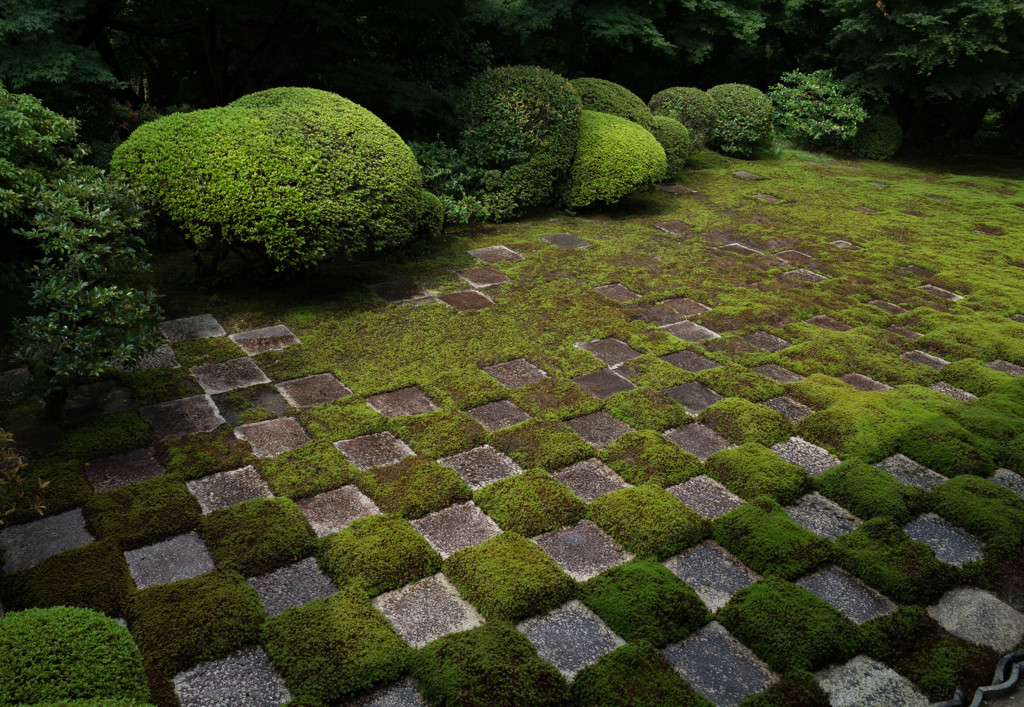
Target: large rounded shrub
878	138
64	653
675	139
743	119
522	123
296	174
614	158
816	108
609	97
690	106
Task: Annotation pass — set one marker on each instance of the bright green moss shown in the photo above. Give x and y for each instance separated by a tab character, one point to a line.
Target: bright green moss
468	387
750	471
439	434
997	420
991	512
198	455
644	409
818	391
313	468
142	513
635	675
742	421
869	426
735	381
868	492
865	350
549	445
609	97
413	487
946	447
530	503
555	399
257	536
646	457
198	352
159	385
647	520
57	486
106	435
973	376
343	419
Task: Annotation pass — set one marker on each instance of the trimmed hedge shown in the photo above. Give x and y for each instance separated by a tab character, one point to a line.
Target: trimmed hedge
257	536
675	139
609	97
142	513
690	106
647	520
646	457
744	119
635	675
878	138
751	470
530	503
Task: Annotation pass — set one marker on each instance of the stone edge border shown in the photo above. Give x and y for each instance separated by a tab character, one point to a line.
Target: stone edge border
1008	675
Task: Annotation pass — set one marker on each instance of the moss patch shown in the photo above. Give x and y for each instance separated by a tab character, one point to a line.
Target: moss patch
549	445
991	512
214	349
139	514
413	487
735	381
55	484
313	468
645	457
868	492
195	456
644	409
555	399
159	385
530	503
635	675
741	421
257	536
106	435
750	471
343	419
439	434
647	520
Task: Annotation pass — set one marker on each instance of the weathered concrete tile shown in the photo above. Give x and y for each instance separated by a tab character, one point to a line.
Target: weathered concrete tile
660	314
925	359
599	429
850	596
123	469
483	277
583	551
424	611
793	257
496	254
234	404
333	511
864	681
1012	481
718	666
977	616
481	465
941	293
918	271
396	291
201	326
904	332
866	210
823	517
747	176
228	375
499	415
515	374
791	409
804	275
690	361
292	586
610	351
846	245
402	694
739	249
272	437
767	342
690	331
401	402
1019	318
617	292
887	307
271	338
712	572
697	439
952	391
467	300
950	544
824	321
571	637
776	372
880	185
590	479
674	228
456	527
183	417
565	241
245	677
228	488
378	449
318	389
693	396
706	497
909	473
180	557
1010	369
604	383
810	457
686	307
863	383
26	545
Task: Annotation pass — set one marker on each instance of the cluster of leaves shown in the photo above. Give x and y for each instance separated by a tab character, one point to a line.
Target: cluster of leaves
816	109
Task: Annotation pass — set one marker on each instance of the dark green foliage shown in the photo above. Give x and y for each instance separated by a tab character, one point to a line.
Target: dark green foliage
743	119
674	138
883	556
508	577
644	409
62	653
868	492
198	455
158	385
815	109
204	618
645	457
106	435
735	381
788	627
413	487
643	601
530	503
878	138
690	106
992	512
377	554
56	485
794	689
608	97
546	444
493	664
314	467
741	421
439	434
750	471
647	520
635	675
333	647
343	419
213	349
257	536
767	540
142	513
614	158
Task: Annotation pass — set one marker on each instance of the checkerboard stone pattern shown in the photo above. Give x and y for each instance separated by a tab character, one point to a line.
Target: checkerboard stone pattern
160	357
713	573
456	527
811	458
399	403
909	473
739	249
950	544
123	469
1010	480
180	557
378	449
804	275
599	429
565	241
272	437
26	545
925	359
201	326
481	465
466	300
228	488
583	551
977	616
824	321
1010	369
571	637
483	277
426	610
515	374
228	375
864	681
291	586
718	666
499	415
271	338
851	597
183	417
309	391
333	511
590	479
706	496
245	677
951	391
697	439
686	307
823	517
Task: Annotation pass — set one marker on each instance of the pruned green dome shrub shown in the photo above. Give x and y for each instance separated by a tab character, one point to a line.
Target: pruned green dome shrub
609	97
743	119
878	138
614	158
690	106
63	653
675	139
815	109
295	174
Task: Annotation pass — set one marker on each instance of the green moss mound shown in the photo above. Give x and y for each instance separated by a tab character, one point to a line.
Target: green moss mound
198	455
313	468
609	97
257	536
868	492
530	503
647	520
439	434
645	457
993	513
690	106
644	409
742	421
675	140
750	471
549	445
142	513
735	381
744	119
614	158
795	689
106	435
60	486
878	138
635	675
413	487
63	653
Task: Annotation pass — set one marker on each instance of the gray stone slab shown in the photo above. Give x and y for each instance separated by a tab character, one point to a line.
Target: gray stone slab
183	417
951	391
604	383
499	415
291	586
887	307
660	314
739	249
811	458
823	517
396	291
245	677
272	437
571	637
863	383
26	545
496	254
693	396
690	331
1019	318
180	557
481	465
767	342
941	293
1012	481
712	572
333	511
201	326
866	210
697	439
977	616
673	228
405	401
456	527
909	473
824	321
747	176
679	190
515	374
904	332
378	449
776	372
793	257
271	338
846	245
718	666
402	694
234	405
864	681
424	611
950	544
706	497
599	429
590	479
318	389
686	307
160	357
925	359
850	596
804	275
610	351
565	241
617	292
123	469
583	551
880	185
228	375
227	488
483	277
690	361
791	409
466	300
1010	369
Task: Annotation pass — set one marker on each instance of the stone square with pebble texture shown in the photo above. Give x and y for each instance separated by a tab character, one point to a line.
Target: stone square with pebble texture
904	332
617	292
1010	369
499	415
481	465
404	401
583	550
850	596
793	257
123	469
228	375
976	616
187	416
333	511
496	254
1010	480
823	517
804	275
693	396
516	374
887	307
767	342
403	693
610	351
599	429
378	449
739	249
590	479
291	586
456	527
396	291
776	372
160	357
234	405
690	331
951	544
483	277
951	391
686	307
747	176
309	391
791	409
846	245
863	383
571	637
809	457
271	338
466	300
909	473
824	321
26	545
673	228
940	293
424	611
679	190
706	497
690	361
565	241
604	383
925	359
201	326
697	439
227	488
718	666
181	557
272	437
660	314
770	198
245	677
865	681
713	573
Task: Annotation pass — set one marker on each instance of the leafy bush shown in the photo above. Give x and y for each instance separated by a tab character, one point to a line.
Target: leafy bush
878	138
647	520
750	471
635	675
815	109
675	139
530	503
743	119
64	653
139	514
614	158
609	97
257	536
690	106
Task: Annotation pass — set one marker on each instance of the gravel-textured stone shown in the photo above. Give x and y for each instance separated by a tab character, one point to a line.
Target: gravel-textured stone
1012	481
706	496
791	409
904	332
909	473
426	610
227	488
402	402
160	357
811	458
767	342
690	361
770	198
271	338
941	293
378	449
617	292
515	374
660	314
1010	369
26	545
499	415
950	544
272	437
718	666
201	326
228	375
183	417
599	429
604	383
690	331
402	694
887	307
854	599
565	241
977	616
693	396
679	190
776	372
180	557
712	572
610	351
747	176
804	275
583	551
824	321
318	389
396	291
952	391
863	681
456	527
590	479
123	469
466	300
481	465
245	677
863	383
697	439
793	257
823	517
571	637
496	254
292	586
483	277
333	511
925	359
866	210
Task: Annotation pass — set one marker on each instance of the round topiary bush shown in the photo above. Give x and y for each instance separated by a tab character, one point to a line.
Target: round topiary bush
878	138
522	122
675	139
64	653
743	119
690	106
609	97
295	174
614	158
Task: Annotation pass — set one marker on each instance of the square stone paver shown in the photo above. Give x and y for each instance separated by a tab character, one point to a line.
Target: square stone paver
977	616
880	185
810	457
1010	480
245	677
718	666
515	374
467	300
318	389
271	338
864	681
793	257
866	210
426	610
863	383
599	429
292	586
706	496
776	372
227	488
583	551
496	254
767	342
180	557
1019	318
333	511
747	176
713	573
499	415
1010	369
28	544
690	331
904	332
951	391
272	437
617	292
846	245
660	314
686	307
565	241
690	361
201	326
693	396
918	271
823	517
850	596
481	465
483	277
950	544
183	417
234	404
697	439
456	527
123	469
739	249
887	307
791	409
804	275
604	383
610	351
824	321
925	359
402	694
941	293
909	473
228	375
405	401
378	449
571	637
674	228
678	190
590	479
396	291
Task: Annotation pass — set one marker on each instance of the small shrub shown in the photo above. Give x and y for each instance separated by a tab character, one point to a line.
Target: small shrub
142	513
635	675
646	457
743	119
742	421
106	435
690	106
868	492
313	468
675	140
546	444
815	109
751	470
644	409
647	520
878	138
257	536
608	97
413	487
439	434
992	512
530	503
198	455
